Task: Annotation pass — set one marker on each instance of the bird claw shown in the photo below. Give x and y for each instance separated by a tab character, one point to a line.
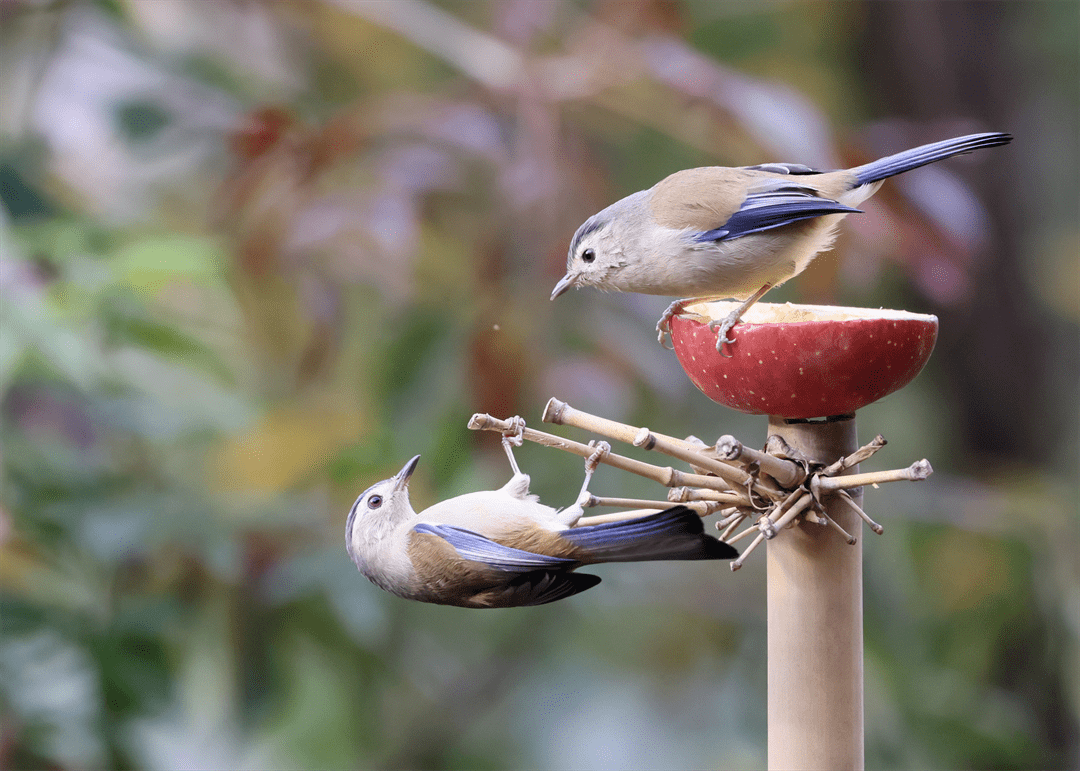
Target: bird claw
663	326
663	333
512	438
602	449
513	435
722	327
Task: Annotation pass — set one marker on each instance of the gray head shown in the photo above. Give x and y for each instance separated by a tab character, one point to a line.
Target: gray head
597	251
377	510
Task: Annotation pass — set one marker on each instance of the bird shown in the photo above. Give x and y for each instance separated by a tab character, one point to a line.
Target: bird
503	548
714	232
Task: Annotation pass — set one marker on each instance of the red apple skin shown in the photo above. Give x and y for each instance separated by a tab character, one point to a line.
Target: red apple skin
805	369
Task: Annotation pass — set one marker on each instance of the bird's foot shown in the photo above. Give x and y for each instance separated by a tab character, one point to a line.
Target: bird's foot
663	326
602	449
513	438
722	327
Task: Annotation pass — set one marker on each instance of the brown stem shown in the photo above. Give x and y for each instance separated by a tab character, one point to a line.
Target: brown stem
738	563
843	497
855	458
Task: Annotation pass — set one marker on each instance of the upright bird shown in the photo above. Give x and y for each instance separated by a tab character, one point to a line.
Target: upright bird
503	548
715	232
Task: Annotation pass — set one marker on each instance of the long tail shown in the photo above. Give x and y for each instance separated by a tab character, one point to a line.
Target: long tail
672	534
920	156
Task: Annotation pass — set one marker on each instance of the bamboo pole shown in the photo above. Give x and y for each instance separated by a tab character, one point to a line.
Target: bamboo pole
815	639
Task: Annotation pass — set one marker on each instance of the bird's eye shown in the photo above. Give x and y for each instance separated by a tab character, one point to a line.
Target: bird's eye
374	502
588	255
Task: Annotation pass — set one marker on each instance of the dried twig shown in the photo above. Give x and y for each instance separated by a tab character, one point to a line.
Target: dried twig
857	457
788	517
836	526
732	522
738	563
843	497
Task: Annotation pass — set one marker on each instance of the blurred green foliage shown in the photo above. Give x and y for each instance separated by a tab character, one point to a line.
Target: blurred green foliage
256	255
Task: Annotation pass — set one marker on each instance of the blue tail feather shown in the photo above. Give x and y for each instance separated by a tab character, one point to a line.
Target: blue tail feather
920	156
673	534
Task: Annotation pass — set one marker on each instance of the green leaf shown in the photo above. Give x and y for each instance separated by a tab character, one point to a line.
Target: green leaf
151	262
125	327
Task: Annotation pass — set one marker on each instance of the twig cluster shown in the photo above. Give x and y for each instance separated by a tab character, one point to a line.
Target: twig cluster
773	489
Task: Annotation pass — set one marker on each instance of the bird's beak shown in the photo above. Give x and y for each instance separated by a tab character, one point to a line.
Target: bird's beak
401	479
567	281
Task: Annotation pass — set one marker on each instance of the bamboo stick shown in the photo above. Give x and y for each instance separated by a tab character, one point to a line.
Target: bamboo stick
917	471
843	497
754	528
667	476
738	563
737	477
727	516
848	537
561	413
785	518
730	528
615	516
702	508
682	494
854	459
786	473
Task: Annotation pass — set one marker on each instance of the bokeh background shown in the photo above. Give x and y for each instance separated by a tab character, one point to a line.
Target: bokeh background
256	255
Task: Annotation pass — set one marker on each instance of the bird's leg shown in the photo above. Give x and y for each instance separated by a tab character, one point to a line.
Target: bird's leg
724	325
602	449
511	439
573	513
663	326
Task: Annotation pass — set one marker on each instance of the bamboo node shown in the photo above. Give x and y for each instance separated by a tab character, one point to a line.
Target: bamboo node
728	447
644	439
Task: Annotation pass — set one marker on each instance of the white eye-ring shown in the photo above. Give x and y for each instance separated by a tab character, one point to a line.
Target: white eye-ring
374	502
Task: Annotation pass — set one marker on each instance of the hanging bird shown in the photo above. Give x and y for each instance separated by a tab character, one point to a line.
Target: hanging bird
503	548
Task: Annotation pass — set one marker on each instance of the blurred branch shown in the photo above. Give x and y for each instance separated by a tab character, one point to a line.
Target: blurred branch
600	62
482	57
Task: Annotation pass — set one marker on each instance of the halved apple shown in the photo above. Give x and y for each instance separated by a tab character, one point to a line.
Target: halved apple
803	361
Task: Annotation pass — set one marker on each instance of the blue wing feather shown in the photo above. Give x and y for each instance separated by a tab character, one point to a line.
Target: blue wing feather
774	209
475	547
